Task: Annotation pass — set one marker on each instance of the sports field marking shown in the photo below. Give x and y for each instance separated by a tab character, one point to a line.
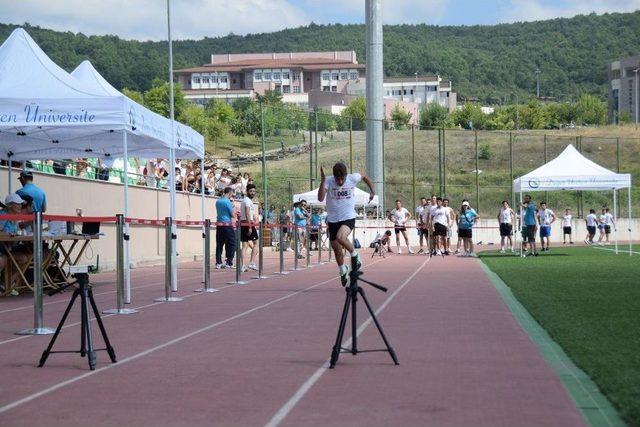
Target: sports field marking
621	250
161	346
306	386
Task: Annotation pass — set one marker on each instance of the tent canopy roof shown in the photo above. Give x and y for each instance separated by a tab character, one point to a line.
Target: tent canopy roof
362	198
46	113
571	171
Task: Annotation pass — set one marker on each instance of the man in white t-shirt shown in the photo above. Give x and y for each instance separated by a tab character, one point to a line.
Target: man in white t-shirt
505	219
606	221
399	216
546	217
439	220
422	230
592	222
248	232
566	227
339	190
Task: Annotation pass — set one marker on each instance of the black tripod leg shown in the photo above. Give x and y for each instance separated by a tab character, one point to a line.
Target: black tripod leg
45	354
91	353
335	353
112	353
354	323
83	324
392	353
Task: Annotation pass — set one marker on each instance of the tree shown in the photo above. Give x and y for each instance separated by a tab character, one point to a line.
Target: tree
533	116
157	99
590	110
356	112
470	116
134	95
326	121
270	97
400	117
434	115
220	110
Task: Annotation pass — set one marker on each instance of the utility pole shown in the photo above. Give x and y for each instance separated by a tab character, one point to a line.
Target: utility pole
538	83
637	91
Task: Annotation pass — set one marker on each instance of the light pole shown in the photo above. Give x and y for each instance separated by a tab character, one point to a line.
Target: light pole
538	83
517	113
415	92
637	90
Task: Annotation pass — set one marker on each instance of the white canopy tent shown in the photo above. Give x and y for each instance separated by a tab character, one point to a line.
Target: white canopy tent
362	198
152	126
572	171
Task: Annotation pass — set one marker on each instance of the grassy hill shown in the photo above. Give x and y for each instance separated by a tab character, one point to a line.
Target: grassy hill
490	62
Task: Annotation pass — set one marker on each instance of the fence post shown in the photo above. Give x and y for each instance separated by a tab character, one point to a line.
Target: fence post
439	161
239	260
413	163
618	166
513	197
168	265
120	270
316	151
319	244
261	250
311	154
281	250
477	172
546	194
351	144
38	322
296	250
444	164
207	258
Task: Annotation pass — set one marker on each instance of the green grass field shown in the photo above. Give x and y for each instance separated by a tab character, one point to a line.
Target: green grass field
588	300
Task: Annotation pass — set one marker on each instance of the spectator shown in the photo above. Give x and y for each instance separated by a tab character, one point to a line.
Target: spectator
30	189
104	168
151	172
466	221
284	220
81	167
316	223
179	179
225	236
13	203
300	221
530	223
506	218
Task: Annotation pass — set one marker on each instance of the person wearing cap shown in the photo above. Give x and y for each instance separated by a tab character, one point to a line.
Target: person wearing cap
29	189
13	206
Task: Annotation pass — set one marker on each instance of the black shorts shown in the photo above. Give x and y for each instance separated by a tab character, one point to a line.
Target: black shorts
313	235
607	229
566	230
423	232
465	233
335	226
248	234
531	233
591	229
506	229
399	228
439	229
285	230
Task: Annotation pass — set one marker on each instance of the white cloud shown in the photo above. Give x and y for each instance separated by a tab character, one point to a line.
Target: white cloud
146	19
536	10
393	11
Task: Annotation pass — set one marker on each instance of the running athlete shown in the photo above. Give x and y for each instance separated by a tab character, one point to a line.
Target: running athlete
339	191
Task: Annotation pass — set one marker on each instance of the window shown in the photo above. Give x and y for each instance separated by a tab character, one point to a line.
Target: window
223	79
334	76
334	88
326	88
278	89
267	76
353	75
404	91
325	76
196	79
286	89
388	93
296	89
205	79
296	77
257	76
411	91
344	75
214	79
286	76
276	76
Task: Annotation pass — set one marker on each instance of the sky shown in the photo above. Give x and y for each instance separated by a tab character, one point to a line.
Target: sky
195	19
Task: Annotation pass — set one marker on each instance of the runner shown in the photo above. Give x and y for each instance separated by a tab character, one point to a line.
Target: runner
422	231
399	216
248	232
339	191
566	227
592	221
546	217
505	219
452	221
440	220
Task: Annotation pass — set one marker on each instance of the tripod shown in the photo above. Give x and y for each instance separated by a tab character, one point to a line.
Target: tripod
86	341
353	290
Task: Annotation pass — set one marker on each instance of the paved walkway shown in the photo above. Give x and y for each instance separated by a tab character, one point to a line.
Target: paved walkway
256	355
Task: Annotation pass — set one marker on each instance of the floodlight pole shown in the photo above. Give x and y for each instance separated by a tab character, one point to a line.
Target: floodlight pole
374	86
172	160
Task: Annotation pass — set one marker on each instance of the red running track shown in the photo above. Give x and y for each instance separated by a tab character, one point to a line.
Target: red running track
255	355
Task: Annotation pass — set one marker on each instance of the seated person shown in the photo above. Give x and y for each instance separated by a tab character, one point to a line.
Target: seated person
13	206
381	241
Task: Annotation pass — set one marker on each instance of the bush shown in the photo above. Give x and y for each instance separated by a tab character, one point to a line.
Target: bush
485	152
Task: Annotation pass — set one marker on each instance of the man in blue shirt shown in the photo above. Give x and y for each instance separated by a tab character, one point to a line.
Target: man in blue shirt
225	237
529	221
316	221
35	193
300	220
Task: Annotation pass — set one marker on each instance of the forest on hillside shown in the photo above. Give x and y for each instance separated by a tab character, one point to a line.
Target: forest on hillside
493	63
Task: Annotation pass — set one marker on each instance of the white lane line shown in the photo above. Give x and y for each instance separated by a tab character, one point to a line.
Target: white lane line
298	395
621	250
158	347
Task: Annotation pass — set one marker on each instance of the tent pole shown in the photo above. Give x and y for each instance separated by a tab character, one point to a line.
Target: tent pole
615	218
172	160
629	219
9	172
127	255
202	211
521	222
